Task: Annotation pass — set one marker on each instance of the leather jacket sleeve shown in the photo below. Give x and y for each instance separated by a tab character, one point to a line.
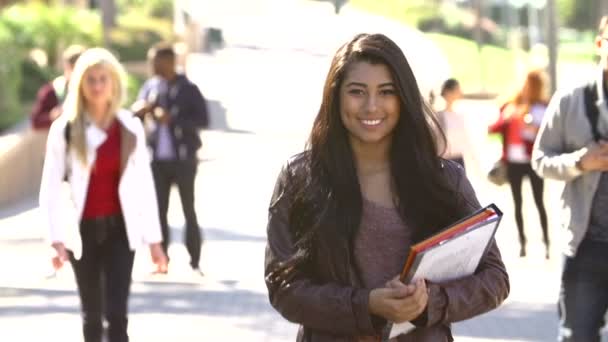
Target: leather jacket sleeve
327	307
481	292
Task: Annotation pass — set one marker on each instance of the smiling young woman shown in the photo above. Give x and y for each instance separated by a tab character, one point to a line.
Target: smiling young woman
345	211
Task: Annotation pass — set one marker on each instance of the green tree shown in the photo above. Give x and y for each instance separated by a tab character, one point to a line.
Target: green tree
579	14
10	77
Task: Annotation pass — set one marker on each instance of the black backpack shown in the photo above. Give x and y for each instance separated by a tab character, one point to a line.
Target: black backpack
590	93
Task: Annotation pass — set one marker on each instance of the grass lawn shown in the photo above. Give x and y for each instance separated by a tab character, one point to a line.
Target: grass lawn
502	68
577	52
496	65
406	11
498	70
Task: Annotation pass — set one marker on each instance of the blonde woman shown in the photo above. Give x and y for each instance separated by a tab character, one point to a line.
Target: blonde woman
101	149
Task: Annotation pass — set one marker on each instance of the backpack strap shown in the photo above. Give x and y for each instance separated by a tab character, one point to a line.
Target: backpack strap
590	93
67	135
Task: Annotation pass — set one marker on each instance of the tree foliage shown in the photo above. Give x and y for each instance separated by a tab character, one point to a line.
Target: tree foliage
579	14
51	28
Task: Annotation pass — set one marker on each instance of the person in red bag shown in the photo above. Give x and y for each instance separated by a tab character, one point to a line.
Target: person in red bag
518	124
101	148
345	211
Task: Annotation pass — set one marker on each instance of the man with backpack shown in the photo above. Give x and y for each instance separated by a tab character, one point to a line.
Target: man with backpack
174	111
572	146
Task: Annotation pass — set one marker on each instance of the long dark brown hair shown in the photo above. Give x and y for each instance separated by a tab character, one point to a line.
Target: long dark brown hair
327	207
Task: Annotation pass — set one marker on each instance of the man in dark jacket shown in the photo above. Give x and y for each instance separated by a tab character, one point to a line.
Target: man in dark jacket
174	111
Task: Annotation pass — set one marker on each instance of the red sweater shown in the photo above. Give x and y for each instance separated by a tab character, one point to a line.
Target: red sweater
102	196
46	100
510	129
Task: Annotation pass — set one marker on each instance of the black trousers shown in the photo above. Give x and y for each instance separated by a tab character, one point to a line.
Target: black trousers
515	174
103	276
182	173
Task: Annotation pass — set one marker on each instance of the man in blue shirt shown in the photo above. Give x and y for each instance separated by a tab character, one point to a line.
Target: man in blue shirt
174	111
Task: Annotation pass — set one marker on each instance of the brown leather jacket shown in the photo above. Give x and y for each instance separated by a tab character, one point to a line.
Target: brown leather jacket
329	311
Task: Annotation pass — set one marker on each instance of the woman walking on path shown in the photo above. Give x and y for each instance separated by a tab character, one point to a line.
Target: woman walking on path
453	123
345	211
101	150
518	123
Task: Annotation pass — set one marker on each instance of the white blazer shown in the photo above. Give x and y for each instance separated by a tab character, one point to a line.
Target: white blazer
135	190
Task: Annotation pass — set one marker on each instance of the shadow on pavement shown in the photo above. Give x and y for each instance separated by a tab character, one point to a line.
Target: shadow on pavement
174	299
22	241
165	298
30	304
218	234
217	118
19	207
499	324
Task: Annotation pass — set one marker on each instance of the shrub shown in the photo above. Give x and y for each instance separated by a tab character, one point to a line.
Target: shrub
35	25
51	28
460	22
136	33
153	8
134	83
10	78
33	77
160	8
131	44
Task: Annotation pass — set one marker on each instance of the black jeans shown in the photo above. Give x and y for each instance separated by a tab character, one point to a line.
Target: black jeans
583	298
515	174
103	275
182	173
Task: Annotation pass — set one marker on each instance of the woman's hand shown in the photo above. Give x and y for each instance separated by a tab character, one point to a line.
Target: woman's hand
158	257
398	302
61	255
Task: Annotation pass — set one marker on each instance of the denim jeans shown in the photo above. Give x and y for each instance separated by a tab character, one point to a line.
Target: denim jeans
103	276
583	298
